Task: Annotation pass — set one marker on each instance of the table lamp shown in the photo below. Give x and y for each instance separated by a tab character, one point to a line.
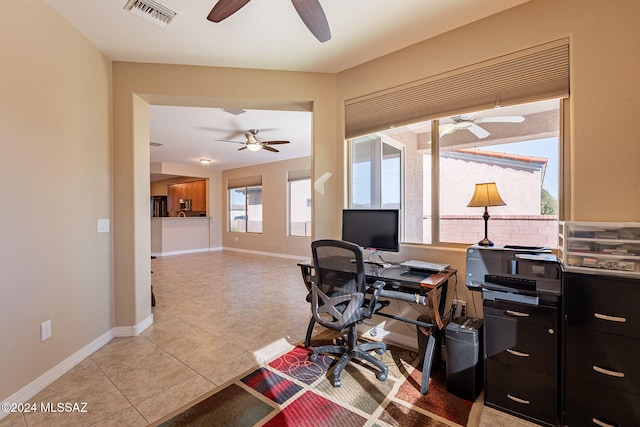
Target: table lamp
485	195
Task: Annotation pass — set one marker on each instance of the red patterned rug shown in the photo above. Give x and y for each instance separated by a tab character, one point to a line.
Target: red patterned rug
293	391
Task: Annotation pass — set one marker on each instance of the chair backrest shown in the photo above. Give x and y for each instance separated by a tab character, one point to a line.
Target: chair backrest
337	294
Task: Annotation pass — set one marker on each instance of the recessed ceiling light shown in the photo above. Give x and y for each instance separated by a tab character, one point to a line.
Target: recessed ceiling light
205	161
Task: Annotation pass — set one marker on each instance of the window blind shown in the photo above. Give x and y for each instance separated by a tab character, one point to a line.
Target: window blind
537	73
297	175
245	181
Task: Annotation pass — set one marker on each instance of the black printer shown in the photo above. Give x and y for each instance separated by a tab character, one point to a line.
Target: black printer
524	273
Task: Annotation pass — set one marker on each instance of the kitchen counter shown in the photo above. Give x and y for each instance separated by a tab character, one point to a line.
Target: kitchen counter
180	235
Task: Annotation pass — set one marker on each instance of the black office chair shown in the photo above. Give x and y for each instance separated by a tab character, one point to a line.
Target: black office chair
338	302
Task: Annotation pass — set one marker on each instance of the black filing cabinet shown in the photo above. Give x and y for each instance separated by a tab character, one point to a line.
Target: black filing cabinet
522	344
602	350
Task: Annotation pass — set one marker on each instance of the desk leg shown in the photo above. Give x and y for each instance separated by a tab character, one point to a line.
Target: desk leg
426	366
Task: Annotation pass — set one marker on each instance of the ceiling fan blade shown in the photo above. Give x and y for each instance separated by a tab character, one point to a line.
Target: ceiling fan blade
224	9
447	128
478	131
313	16
228	140
275	142
502	119
266	147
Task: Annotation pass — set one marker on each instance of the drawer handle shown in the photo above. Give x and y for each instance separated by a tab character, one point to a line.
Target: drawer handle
518	353
516	313
517	399
602	423
608	372
609	318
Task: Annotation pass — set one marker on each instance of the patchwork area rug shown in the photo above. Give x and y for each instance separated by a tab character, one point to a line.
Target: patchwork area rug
293	391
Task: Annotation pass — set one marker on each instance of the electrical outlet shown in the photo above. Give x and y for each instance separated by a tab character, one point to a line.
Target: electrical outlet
459	308
45	330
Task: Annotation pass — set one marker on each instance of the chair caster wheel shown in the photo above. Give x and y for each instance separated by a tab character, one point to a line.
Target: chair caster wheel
380	350
337	383
381	376
313	357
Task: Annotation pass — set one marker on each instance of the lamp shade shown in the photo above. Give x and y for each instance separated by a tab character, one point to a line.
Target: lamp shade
486	194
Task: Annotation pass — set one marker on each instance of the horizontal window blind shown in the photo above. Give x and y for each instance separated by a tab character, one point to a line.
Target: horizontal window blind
297	175
537	73
245	181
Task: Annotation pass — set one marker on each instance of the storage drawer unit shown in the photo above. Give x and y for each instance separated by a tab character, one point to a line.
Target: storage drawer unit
602	374
522	392
588	404
520	340
521	356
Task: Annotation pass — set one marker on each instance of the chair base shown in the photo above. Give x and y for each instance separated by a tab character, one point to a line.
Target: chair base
354	351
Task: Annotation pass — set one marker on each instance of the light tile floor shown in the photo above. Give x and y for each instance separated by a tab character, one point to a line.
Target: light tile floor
217	314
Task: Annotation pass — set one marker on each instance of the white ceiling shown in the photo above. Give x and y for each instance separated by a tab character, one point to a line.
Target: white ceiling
264	34
188	134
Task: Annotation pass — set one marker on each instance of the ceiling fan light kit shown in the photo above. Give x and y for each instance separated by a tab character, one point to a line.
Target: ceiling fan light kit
254	144
310	11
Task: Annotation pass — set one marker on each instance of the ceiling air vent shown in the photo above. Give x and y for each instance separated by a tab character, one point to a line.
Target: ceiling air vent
151	10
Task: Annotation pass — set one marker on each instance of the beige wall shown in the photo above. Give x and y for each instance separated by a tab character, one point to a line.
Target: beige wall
55	137
135	87
55	166
274	237
603	179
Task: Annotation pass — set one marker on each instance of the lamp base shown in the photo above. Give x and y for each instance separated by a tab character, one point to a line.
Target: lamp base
485	242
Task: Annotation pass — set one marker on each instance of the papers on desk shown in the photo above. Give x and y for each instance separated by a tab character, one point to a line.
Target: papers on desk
424	265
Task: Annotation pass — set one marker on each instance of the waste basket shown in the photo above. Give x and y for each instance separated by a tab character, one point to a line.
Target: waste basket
463	343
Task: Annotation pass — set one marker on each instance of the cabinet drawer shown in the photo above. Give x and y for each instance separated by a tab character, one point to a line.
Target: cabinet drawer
588	404
603	303
526	344
605	359
521	391
530	313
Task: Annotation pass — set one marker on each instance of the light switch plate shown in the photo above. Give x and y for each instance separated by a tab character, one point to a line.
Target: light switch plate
103	225
45	330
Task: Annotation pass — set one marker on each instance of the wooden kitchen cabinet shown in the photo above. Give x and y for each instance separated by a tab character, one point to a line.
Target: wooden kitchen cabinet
194	190
198	195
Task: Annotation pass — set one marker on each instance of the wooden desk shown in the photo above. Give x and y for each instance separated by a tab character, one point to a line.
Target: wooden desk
402	284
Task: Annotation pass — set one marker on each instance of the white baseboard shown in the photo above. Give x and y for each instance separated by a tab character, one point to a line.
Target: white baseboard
187	251
248	251
46	379
133	331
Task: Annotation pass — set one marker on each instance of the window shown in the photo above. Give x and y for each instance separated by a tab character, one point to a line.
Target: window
245	209
299	206
517	147
375	173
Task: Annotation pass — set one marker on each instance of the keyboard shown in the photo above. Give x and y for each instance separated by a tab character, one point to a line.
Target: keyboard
424	265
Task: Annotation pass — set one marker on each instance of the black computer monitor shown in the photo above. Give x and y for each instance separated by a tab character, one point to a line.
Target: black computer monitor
375	229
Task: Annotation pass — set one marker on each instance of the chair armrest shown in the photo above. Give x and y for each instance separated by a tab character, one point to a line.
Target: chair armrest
377	286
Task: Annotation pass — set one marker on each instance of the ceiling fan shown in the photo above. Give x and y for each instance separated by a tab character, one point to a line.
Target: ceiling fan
470	123
254	144
310	11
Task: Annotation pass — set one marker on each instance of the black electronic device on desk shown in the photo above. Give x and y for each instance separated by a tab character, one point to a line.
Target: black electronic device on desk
521	291
527	273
